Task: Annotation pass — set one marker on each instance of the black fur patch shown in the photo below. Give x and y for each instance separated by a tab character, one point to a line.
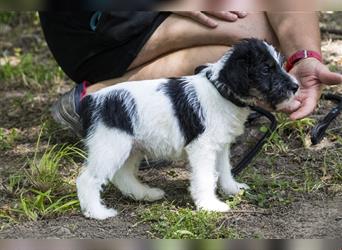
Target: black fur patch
87	109
118	110
189	115
252	72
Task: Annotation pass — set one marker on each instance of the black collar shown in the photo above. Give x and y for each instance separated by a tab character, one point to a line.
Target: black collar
230	97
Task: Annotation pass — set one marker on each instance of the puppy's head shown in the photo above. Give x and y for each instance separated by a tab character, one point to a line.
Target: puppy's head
253	71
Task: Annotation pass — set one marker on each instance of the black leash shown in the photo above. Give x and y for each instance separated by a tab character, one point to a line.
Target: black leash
317	134
256	149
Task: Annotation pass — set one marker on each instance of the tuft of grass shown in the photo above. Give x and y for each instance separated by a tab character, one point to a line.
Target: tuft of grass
37	204
288	130
171	222
8	138
44	171
44	189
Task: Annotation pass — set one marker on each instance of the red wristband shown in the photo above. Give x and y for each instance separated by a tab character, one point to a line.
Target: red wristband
300	55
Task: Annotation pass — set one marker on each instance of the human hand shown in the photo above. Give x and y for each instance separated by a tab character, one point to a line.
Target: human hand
312	75
203	17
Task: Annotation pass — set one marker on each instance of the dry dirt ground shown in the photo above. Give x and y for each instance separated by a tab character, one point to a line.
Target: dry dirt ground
296	188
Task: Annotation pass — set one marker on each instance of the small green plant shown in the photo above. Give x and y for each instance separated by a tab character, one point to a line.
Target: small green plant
171	222
8	138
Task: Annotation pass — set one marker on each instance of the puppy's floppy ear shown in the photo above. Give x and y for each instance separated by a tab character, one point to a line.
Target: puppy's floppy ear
235	74
199	69
238	78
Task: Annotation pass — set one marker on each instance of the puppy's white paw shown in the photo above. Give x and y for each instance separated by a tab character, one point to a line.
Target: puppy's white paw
233	188
154	194
100	213
213	206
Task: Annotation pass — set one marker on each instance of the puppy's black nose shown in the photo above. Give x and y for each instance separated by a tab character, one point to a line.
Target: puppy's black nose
294	88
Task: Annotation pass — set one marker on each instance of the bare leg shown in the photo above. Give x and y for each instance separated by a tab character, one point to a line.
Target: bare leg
177	33
179	45
179	63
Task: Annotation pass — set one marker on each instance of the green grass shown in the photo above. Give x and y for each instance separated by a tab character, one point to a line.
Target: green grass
8	138
334	68
287	131
44	187
171	222
38	205
332	165
315	171
7	17
267	191
14	18
29	71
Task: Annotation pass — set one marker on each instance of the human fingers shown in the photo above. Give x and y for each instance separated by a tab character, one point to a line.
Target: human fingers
224	15
309	99
240	14
327	77
199	17
291	107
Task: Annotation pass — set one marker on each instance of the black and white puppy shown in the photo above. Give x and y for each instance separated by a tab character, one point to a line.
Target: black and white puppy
193	117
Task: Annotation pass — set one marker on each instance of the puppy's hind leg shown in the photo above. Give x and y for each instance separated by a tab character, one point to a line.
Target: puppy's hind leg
107	152
126	180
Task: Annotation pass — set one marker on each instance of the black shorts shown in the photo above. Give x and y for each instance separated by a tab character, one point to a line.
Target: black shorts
95	53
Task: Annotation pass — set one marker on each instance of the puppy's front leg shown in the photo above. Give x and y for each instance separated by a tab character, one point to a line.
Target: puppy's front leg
227	182
203	159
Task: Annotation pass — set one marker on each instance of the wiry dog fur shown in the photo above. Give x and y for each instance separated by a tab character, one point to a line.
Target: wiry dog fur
194	117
